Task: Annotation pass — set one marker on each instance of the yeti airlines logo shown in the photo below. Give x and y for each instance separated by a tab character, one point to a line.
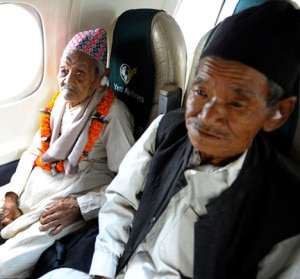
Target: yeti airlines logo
126	73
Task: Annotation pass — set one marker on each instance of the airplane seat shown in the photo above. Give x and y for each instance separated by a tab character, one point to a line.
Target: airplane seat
147	61
287	137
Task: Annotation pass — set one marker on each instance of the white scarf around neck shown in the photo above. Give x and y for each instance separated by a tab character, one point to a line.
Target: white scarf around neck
70	145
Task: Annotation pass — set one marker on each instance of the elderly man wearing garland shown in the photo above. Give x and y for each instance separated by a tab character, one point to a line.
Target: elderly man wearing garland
59	183
203	194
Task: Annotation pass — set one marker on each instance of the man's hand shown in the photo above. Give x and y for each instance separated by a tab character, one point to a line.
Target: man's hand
11	210
59	215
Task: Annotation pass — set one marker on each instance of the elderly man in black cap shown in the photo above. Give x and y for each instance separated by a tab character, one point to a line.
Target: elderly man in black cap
203	194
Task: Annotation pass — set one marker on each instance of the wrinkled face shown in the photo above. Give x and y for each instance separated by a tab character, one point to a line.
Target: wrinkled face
226	108
77	77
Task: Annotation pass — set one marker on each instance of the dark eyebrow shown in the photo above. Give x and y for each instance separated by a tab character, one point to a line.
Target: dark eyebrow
240	91
200	78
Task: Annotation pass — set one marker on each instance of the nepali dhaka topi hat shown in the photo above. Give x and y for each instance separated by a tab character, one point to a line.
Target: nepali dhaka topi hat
265	37
92	42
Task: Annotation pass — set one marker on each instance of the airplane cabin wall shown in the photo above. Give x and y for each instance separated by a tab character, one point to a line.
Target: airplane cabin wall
19	120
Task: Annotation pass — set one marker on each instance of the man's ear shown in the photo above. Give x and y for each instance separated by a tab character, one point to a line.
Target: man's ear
103	80
281	112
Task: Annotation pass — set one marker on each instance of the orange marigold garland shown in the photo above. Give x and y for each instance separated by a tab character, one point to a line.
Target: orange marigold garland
98	119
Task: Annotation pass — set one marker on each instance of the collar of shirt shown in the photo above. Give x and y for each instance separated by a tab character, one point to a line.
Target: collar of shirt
232	169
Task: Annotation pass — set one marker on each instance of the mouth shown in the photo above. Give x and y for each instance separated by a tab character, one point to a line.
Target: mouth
205	131
206	134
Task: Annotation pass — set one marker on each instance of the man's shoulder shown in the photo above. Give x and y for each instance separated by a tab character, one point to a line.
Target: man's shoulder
278	166
289	168
117	104
173	119
119	110
172	127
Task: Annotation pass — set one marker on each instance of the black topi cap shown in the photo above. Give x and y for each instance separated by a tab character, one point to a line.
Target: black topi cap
264	37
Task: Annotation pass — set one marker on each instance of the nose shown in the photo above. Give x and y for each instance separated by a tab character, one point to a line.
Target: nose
68	79
212	111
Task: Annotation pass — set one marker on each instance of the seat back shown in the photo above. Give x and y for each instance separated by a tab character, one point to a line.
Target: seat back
287	137
146	57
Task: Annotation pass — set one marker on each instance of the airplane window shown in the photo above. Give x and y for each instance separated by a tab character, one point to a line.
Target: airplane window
195	18
297	2
21	51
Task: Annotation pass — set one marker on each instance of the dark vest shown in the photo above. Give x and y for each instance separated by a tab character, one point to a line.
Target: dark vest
260	208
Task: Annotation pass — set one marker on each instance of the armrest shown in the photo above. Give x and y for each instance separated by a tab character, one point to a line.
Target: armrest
169	98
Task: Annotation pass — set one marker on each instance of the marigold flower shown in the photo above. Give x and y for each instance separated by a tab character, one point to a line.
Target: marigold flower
94	132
